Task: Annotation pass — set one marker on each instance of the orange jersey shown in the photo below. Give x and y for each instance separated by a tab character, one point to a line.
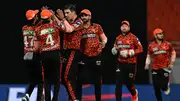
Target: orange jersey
49	36
127	42
90	44
160	54
29	36
72	40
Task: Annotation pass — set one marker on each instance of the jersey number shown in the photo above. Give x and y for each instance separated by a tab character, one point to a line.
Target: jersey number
50	40
26	38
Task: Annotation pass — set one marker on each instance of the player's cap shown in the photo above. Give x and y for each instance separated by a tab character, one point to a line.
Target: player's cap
125	22
30	14
45	14
157	31
86	11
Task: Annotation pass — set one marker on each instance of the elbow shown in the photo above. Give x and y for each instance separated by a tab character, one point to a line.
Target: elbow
69	29
140	49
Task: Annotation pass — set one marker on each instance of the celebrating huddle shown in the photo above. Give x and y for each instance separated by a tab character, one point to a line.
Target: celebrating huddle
57	45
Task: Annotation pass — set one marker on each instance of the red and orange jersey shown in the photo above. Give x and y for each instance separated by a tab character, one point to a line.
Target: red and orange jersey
90	44
72	40
160	54
49	36
28	37
127	42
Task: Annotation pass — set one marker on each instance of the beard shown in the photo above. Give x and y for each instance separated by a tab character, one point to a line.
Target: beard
125	32
85	20
160	39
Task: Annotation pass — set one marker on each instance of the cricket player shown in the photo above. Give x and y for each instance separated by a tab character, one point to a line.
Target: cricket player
31	57
71	50
127	46
48	43
163	56
92	43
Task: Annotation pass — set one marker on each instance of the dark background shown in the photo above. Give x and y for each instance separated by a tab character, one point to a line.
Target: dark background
108	13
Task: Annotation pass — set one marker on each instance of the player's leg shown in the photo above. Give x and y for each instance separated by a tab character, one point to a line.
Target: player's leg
70	75
119	82
96	73
130	69
46	64
55	74
165	81
32	72
156	84
65	57
38	78
79	85
30	88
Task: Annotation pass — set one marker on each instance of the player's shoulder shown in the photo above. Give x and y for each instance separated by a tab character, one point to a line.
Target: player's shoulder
78	21
167	42
152	43
38	27
28	27
118	37
132	35
96	25
24	26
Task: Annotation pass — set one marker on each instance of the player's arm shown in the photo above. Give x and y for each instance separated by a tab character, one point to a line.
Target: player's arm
77	25
148	57
173	56
137	50
138	46
103	39
70	27
114	50
61	22
102	36
36	41
148	61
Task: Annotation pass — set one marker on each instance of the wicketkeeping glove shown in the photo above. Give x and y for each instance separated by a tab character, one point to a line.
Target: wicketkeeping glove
114	51
28	56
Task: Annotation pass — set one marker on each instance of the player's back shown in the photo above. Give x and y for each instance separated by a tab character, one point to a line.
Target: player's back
49	37
28	37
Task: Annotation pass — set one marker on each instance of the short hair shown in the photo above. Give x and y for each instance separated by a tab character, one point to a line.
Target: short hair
71	7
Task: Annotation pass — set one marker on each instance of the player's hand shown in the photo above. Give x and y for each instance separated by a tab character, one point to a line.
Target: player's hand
131	53
60	14
124	53
52	12
44	7
170	66
103	44
146	67
114	51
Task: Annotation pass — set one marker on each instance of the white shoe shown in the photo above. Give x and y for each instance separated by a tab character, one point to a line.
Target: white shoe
25	98
167	91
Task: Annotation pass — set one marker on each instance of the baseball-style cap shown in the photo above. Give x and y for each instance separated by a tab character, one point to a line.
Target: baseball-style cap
45	14
125	22
30	14
157	31
86	11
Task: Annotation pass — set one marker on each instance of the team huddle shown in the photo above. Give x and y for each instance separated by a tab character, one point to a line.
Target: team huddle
57	45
